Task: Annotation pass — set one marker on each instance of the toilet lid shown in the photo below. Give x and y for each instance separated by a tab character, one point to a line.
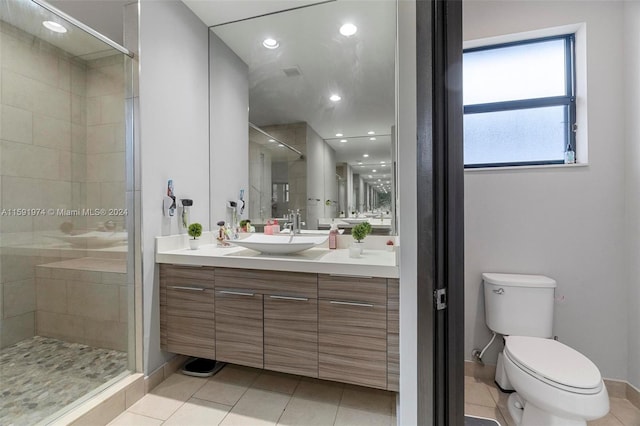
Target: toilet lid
554	363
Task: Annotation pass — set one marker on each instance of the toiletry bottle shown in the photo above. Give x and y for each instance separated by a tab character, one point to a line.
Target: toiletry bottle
268	228
333	236
275	228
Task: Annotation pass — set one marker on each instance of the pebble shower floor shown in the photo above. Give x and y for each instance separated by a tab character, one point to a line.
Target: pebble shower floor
41	375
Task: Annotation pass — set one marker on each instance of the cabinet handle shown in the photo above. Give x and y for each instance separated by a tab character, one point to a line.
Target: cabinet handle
350	276
364	305
179	287
236	293
302	299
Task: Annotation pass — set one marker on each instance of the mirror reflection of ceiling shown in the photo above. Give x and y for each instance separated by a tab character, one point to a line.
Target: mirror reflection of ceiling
28	16
293	82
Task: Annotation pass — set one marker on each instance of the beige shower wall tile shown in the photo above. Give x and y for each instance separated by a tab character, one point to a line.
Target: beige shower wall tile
51	132
15	329
78	138
51	294
65	171
113	195
78	79
19	297
105	138
112	108
31	58
105	167
17	125
29	94
105	80
64	74
24	160
78	109
95	301
109	334
61	326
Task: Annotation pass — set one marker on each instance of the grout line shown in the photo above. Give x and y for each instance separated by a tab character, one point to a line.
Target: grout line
335	418
289	401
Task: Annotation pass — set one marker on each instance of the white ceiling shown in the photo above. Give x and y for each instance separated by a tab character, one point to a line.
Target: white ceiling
359	68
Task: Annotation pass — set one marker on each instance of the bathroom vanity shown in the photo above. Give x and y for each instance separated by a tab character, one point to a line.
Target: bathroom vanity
301	314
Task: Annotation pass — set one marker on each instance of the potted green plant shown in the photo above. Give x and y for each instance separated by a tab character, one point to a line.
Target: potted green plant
358	232
195	231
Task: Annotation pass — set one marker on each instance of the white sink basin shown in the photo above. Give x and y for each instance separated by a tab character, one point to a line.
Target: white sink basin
93	239
280	244
355	220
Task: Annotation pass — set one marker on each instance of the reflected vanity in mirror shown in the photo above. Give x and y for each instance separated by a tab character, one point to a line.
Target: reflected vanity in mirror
321	113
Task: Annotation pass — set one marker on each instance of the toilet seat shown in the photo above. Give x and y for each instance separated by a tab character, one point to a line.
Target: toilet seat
554	363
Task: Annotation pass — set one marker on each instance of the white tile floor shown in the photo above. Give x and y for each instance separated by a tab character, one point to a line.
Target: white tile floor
483	399
250	397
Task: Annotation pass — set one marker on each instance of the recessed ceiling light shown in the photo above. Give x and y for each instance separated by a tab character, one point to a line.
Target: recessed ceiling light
54	26
343	140
334	98
371	132
379	180
270	43
271	140
365	155
348	29
339	135
280	145
382	162
359	162
372	139
370	176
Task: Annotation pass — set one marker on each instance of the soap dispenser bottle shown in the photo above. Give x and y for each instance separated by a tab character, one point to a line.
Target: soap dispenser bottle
333	236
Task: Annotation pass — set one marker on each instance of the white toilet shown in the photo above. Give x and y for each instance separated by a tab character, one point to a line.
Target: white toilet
555	385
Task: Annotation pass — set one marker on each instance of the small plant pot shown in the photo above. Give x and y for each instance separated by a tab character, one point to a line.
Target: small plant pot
355	249
194	244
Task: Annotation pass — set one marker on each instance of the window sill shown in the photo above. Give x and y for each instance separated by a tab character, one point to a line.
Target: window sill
515	168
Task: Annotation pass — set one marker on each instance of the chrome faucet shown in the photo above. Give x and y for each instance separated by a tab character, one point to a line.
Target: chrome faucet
294	223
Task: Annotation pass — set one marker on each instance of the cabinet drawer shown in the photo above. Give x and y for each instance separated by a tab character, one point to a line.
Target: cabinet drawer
393	329
190	336
268	282
239	323
347	288
291	335
190	301
181	272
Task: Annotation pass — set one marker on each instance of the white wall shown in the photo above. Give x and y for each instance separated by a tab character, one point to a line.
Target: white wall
407	210
315	178
632	180
229	86
174	121
567	223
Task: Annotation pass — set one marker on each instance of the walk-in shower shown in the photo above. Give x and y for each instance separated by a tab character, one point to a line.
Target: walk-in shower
66	299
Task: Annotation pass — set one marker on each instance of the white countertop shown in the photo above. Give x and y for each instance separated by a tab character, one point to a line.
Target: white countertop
372	263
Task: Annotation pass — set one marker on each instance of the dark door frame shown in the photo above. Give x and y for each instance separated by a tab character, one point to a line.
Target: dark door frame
440	186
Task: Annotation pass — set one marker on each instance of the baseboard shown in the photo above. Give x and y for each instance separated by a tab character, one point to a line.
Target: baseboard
615	388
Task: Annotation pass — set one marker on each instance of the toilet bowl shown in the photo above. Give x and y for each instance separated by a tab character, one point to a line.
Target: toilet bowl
555	385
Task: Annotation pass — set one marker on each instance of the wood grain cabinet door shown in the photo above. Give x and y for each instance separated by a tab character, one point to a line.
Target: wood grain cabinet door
352	330
187	311
291	334
239	323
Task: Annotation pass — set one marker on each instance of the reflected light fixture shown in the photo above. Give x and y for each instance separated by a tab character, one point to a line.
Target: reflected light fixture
339	135
334	98
54	26
348	29
271	140
372	139
371	132
270	43
382	162
365	155
374	170
343	140
280	145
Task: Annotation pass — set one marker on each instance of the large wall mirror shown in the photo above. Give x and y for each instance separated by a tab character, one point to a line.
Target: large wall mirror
321	112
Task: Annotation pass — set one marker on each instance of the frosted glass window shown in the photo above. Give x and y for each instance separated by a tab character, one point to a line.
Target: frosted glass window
533	70
519	136
519	103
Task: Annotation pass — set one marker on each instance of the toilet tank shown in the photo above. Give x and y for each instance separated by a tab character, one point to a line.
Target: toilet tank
519	305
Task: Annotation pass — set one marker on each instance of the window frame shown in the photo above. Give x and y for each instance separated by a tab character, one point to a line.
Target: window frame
568	99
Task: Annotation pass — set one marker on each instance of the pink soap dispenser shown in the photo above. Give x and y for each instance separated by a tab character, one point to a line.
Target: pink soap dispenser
268	228
333	236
